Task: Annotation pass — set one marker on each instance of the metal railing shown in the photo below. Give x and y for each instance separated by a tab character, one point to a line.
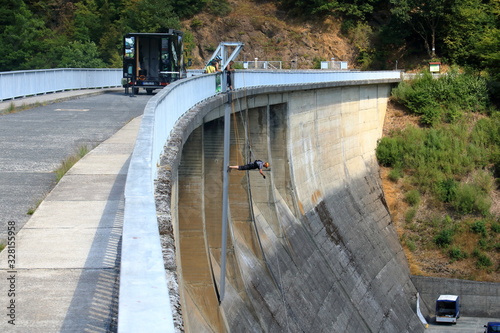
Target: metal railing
17	84
335	65
255	64
144	304
250	78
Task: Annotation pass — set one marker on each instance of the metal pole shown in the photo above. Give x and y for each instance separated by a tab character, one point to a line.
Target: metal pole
133	86
225	186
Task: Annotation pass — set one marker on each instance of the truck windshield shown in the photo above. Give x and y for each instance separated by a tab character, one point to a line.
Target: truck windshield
494	328
446	308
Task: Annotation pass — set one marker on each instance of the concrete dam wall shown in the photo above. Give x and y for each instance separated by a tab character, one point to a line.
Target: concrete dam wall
311	247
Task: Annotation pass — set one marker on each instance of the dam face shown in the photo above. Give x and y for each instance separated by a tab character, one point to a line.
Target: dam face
311	248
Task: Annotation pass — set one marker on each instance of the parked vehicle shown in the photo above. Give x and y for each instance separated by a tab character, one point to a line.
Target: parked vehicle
492	326
447	309
152	60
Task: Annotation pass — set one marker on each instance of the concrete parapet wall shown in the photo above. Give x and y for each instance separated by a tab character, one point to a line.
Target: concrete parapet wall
311	247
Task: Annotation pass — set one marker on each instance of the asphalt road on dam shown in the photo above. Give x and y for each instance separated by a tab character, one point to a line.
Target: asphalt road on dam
34	142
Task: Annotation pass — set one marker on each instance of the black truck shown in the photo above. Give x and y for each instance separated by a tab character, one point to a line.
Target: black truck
152	60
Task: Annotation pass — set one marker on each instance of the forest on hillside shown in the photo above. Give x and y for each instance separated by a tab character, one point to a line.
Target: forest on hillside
38	34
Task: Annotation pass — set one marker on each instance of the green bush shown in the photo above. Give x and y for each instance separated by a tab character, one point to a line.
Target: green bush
395	174
479	227
484	181
444	237
431	115
455	253
445	98
471	200
483	261
317	62
410	215
484	244
196	23
485	143
389	151
410	244
483	205
416	94
452	113
219	8
412	197
446	190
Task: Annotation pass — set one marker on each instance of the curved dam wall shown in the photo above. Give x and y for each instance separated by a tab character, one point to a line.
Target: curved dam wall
311	248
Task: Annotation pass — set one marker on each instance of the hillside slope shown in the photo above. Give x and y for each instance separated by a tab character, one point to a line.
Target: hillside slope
430	260
268	34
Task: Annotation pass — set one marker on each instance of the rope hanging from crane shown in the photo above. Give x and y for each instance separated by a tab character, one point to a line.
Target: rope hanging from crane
244	119
236	135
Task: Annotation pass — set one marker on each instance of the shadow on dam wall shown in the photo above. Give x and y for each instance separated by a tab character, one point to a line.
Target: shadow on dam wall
311	248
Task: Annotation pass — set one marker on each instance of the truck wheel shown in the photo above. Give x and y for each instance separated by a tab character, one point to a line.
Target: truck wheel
149	91
136	91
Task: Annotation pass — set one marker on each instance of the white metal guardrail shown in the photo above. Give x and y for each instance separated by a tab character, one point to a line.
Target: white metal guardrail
144	304
255	64
265	78
17	84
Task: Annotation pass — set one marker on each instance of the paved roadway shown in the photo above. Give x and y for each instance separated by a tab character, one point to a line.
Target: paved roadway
34	142
61	273
463	325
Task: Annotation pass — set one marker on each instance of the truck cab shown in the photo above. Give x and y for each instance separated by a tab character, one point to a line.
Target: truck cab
447	309
152	60
492	327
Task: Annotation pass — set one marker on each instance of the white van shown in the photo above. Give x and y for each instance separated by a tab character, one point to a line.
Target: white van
447	309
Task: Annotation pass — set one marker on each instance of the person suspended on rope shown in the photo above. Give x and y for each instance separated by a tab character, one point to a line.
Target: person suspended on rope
257	164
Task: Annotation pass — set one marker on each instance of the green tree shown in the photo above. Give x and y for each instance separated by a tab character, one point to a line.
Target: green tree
80	55
21	36
466	24
350	9
487	46
188	8
148	16
65	53
112	31
87	22
110	46
425	18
